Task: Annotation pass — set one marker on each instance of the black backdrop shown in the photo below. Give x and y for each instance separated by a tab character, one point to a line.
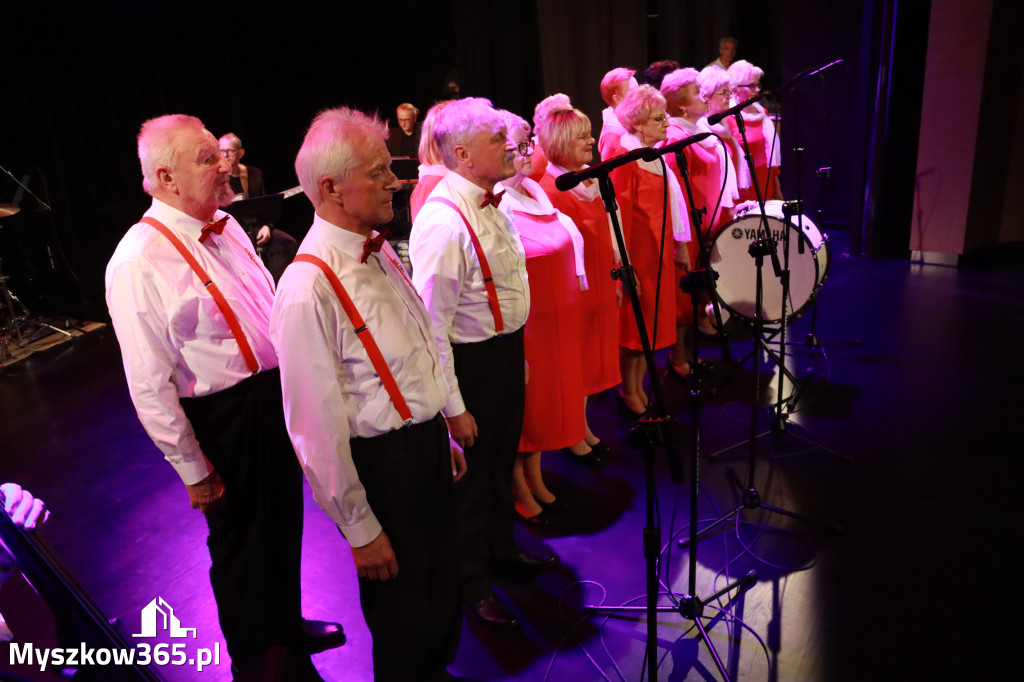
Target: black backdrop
79	79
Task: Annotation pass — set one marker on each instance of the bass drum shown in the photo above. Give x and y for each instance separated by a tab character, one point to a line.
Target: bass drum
737	269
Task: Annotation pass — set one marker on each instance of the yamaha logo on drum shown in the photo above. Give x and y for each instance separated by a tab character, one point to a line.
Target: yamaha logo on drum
752	234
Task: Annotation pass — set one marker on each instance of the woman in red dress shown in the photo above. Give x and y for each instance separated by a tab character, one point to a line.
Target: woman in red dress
432	167
716	90
565	136
554	415
656	229
761	134
712	181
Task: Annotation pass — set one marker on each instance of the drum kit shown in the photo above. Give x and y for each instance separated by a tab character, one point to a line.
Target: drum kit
11	322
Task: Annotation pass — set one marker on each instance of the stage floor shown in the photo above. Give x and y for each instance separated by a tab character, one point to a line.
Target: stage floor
903	449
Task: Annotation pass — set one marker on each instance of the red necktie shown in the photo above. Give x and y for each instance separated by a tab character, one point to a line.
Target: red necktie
373	244
491	199
216	228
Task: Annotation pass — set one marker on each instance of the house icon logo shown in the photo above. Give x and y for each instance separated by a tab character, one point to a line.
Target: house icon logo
159	612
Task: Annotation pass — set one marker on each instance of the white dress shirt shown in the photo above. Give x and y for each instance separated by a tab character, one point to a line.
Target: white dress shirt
447	274
331	391
175	342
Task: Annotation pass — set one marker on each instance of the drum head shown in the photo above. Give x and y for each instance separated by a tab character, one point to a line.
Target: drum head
737	269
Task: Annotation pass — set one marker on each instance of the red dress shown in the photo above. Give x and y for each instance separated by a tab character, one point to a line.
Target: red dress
554	415
705	167
640	195
599	346
760	147
540	164
421	192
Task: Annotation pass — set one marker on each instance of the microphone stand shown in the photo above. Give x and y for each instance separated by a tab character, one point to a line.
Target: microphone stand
765	245
655	429
780	419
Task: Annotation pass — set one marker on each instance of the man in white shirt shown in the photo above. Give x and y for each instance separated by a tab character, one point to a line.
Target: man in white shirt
726	53
363	391
478	321
202	373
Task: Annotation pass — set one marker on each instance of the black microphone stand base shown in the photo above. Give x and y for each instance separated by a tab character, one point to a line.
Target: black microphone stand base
691	608
781	426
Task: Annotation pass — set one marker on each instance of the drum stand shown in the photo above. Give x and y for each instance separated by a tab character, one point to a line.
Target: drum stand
751	498
656	429
780	418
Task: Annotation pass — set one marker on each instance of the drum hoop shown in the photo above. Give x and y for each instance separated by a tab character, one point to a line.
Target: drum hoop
819	276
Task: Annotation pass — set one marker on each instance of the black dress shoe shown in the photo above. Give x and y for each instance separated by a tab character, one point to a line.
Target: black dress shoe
539	520
493	611
555	506
528	560
315	636
602	449
591	459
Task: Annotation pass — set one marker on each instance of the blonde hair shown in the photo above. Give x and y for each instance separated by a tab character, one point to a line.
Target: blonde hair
558	131
636	107
556	102
428	152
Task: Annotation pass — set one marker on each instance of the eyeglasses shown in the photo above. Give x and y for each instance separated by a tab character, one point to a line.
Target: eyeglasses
226	152
524	148
660	118
723	93
750	86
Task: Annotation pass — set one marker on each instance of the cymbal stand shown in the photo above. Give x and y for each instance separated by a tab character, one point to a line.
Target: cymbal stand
13	328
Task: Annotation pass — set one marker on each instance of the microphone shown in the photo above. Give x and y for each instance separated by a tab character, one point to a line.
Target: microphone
679	145
567	181
715	118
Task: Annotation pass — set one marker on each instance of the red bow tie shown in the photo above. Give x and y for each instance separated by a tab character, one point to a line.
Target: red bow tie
215	227
492	199
373	244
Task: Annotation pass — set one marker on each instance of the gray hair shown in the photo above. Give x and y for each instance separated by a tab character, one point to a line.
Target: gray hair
459	122
157	148
329	147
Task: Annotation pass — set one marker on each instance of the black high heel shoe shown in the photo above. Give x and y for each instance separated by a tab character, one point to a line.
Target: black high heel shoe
591	459
555	506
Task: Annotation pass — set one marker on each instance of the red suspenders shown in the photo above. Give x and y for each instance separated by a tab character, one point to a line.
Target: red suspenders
222	303
492	293
381	367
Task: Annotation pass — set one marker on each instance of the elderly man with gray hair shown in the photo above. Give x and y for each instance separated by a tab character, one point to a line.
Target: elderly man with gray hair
469	267
363	391
190	304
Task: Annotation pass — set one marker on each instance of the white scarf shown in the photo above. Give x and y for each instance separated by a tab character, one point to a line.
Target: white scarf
587	193
727	174
540	205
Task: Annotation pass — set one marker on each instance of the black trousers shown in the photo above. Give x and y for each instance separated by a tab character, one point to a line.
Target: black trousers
492	380
256	536
415	618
